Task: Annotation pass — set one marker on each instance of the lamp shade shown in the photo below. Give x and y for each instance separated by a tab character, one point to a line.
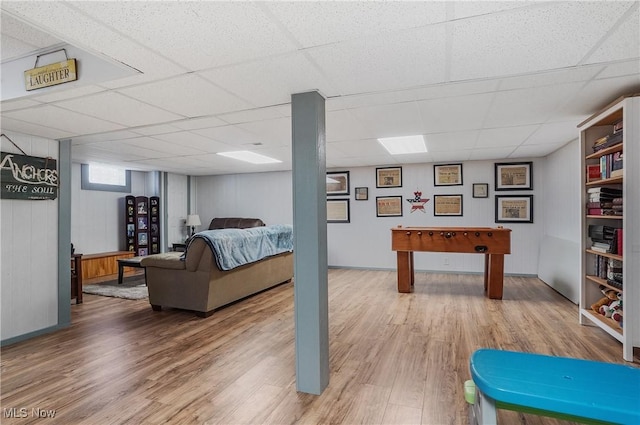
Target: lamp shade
193	220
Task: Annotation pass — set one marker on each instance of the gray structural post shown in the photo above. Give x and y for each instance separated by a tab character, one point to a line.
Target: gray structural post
310	242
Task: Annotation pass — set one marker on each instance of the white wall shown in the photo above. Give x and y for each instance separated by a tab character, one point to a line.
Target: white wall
560	247
177	208
366	240
97	217
267	196
29	266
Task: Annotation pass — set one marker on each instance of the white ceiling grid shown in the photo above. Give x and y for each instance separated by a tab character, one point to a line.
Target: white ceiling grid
481	80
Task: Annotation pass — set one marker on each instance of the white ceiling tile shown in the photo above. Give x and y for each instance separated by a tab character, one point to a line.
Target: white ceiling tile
229	134
64	120
137	149
454	113
197	123
105	137
116	108
382	66
557	132
193	140
11	48
466	9
622	43
535	150
270	132
402	119
187	95
10	105
510	43
572	75
343	125
152	130
82	31
25	127
62	93
250	115
373	99
178	29
505	136
453	141
450	156
455	89
355	148
105	152
420	61
318	23
621	69
529	106
489	153
272	81
596	95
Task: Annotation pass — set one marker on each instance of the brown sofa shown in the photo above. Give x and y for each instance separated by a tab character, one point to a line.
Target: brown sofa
196	283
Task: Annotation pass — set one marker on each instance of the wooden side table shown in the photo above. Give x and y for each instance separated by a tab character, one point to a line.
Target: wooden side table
179	247
76	277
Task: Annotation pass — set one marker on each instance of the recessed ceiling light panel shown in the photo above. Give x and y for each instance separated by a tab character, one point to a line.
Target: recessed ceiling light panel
248	156
404	145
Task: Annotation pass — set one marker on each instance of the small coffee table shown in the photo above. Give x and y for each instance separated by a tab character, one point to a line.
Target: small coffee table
129	262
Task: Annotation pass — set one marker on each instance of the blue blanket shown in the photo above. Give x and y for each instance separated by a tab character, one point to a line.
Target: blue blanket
235	247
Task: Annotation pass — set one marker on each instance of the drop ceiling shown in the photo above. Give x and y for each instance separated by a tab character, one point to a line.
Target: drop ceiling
480	80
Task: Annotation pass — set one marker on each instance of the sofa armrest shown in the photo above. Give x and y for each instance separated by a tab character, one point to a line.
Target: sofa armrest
167	260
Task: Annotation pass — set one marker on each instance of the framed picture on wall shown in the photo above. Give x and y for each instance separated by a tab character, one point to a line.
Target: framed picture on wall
447	205
513	176
514	209
338	211
362	193
337	183
447	175
388	206
389	177
481	190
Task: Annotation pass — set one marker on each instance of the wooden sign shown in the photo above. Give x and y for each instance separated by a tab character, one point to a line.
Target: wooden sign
50	75
28	177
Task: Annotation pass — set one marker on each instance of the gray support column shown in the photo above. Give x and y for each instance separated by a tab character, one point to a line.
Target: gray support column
310	242
64	232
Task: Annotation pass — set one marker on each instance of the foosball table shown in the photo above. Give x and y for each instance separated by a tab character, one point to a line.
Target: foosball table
492	242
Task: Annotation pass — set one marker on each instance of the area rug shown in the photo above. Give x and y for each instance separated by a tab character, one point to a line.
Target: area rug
132	288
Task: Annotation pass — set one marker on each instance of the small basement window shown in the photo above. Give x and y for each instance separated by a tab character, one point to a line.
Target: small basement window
105	177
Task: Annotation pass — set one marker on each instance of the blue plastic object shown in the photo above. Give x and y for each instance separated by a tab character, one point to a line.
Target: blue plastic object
559	384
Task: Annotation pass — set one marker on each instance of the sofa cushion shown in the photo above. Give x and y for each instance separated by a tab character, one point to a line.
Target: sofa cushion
234	223
166	260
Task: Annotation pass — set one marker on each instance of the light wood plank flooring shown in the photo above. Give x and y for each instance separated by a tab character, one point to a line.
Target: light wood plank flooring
394	358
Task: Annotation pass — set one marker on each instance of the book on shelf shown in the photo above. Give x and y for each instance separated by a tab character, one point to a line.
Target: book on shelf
605	190
607	141
619	244
601	231
600	204
617	126
593	173
603	211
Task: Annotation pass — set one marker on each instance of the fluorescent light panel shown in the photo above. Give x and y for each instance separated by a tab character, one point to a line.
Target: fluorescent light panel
247	156
404	145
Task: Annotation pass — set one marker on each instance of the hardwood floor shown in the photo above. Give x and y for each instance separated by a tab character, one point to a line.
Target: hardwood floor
394	358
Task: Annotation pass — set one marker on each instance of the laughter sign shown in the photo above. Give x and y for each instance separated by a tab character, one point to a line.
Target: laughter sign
28	177
50	75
